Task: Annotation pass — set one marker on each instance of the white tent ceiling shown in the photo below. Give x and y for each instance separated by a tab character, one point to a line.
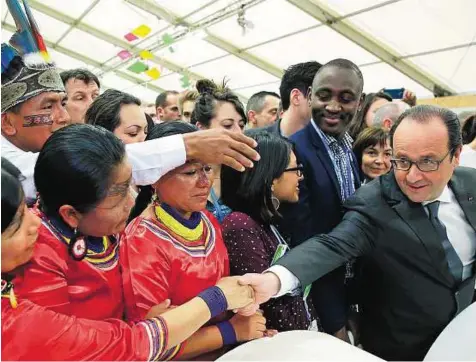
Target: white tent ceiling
416	44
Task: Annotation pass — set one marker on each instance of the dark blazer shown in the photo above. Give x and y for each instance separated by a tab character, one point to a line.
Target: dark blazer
409	293
320	207
319	210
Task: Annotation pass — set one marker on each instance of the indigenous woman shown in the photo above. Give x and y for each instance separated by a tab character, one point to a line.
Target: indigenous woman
217	107
252	240
69	338
174	249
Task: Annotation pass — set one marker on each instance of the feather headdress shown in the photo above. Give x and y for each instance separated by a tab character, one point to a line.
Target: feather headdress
35	73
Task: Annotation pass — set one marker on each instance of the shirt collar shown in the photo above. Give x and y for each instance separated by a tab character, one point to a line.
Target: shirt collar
445	197
345	141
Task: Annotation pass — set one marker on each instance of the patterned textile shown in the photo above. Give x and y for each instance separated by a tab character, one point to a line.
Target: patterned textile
340	154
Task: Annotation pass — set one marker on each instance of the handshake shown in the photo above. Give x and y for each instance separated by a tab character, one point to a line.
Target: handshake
245	293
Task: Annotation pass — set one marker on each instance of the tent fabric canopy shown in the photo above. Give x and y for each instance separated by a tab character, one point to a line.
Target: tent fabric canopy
421	45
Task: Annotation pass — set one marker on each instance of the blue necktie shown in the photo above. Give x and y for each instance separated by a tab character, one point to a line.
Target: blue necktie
454	262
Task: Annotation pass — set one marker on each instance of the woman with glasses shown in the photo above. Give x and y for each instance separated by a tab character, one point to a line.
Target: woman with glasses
252	240
174	250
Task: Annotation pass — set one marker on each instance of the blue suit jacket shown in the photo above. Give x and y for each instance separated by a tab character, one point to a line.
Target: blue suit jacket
319	210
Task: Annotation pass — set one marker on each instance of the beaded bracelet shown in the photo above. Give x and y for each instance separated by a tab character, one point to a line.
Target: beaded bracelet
215	299
227	333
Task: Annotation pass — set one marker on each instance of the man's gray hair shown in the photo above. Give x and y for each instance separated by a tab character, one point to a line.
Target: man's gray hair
257	101
390	111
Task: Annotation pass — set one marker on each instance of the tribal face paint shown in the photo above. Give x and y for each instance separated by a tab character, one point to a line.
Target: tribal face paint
37	120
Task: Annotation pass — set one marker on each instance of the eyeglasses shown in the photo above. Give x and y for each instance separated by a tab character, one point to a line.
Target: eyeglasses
425	165
297	169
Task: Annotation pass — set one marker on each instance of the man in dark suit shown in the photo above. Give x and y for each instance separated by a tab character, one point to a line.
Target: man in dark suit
415	229
331	175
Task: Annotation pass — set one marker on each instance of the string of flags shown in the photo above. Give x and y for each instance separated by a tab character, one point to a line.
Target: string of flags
140	65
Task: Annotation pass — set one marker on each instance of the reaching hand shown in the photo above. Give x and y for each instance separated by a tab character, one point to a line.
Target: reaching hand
264	285
409	97
219	146
237	295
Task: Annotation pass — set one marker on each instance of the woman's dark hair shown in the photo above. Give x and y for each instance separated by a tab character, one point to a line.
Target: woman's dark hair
370	136
150	123
12	192
250	191
210	95
75	167
469	129
358	123
105	109
158	131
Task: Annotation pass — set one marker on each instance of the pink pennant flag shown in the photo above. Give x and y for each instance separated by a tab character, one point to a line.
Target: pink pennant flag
130	37
124	54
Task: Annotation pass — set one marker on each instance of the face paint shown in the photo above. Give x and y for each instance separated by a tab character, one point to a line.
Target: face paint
37	120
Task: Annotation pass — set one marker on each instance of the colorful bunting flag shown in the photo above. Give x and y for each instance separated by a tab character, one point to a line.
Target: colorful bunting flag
138	67
130	37
154	73
124	54
185	80
146	55
141	31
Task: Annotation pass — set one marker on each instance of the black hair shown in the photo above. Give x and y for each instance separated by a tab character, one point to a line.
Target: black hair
358	123
346	64
12	193
161	100
75	167
424	113
81	74
160	130
250	191
106	108
150	123
469	129
299	76
210	95
370	136
257	100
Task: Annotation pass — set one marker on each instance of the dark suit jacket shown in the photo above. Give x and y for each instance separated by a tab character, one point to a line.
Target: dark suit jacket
320	207
409	293
319	210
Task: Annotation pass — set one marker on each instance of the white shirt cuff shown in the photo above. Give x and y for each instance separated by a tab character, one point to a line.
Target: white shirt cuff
152	159
289	282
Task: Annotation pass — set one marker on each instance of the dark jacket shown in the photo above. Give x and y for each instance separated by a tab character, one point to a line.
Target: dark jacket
409	293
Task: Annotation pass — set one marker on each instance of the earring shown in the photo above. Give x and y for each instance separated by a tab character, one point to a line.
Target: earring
77	246
275	202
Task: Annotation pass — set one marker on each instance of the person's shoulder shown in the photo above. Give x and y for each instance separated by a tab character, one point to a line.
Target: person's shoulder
300	135
465	172
238	220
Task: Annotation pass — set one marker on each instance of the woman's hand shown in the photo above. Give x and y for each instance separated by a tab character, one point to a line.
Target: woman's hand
159	309
249	328
237	296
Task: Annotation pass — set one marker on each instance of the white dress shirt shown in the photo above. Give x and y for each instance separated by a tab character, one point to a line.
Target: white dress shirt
460	234
149	160
468	157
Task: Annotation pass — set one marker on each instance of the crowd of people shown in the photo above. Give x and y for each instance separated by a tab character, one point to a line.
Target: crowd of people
182	229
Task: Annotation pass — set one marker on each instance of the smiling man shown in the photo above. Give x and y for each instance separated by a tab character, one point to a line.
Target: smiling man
330	177
415	231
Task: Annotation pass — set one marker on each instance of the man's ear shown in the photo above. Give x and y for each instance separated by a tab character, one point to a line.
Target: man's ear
387	123
8	124
70	216
159	111
251	117
295	97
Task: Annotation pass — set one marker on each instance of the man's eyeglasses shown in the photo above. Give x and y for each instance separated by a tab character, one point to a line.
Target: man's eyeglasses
425	165
297	169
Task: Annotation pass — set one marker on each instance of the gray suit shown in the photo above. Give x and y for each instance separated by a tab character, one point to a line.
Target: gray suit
407	293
